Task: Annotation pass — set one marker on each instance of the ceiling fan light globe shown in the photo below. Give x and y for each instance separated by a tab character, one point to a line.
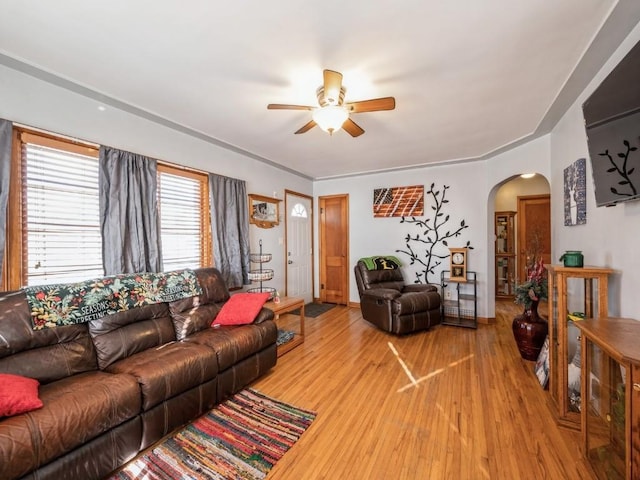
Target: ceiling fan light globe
330	118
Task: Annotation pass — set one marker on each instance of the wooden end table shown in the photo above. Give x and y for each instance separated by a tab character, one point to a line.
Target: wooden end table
287	305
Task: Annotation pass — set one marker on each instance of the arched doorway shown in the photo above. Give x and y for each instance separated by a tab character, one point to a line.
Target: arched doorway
531	231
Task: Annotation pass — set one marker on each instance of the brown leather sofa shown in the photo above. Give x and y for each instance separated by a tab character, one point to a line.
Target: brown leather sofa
114	386
390	305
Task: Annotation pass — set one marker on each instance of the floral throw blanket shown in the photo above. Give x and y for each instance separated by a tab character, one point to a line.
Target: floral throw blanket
70	303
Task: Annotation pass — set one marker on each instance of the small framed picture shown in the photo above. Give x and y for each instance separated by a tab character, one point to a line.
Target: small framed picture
263	211
541	368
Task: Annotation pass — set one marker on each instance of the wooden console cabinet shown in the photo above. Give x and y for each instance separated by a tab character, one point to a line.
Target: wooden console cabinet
583	290
611	396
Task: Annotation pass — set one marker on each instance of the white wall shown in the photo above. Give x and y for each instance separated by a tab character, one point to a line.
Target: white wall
471	198
36	103
610	236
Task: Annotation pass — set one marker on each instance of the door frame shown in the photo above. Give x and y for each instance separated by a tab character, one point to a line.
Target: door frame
286	240
321	262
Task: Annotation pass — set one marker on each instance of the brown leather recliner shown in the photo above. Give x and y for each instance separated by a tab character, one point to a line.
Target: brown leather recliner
391	305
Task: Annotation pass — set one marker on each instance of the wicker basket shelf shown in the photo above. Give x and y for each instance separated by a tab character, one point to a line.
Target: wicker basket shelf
261	275
270	290
260	257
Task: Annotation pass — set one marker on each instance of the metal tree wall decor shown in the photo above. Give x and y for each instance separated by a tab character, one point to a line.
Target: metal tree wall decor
623	169
430	247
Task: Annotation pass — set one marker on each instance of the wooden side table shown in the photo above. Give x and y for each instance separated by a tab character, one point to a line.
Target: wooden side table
287	305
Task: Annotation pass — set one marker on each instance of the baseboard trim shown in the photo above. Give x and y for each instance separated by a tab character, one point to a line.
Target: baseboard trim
487	321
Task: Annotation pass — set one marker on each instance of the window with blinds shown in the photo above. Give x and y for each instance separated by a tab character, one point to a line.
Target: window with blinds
184	223
60	217
53	233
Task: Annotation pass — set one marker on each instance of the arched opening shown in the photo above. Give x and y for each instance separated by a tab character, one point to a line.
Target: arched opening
509	245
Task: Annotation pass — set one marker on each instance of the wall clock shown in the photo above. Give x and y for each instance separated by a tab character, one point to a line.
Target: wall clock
458	267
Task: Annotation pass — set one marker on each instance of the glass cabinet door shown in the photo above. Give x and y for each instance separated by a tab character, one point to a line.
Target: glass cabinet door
605	414
573	293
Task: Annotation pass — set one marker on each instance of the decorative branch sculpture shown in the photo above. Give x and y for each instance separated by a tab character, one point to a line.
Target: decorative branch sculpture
433	236
623	171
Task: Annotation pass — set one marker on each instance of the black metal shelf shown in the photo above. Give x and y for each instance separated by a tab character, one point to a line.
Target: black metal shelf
459	300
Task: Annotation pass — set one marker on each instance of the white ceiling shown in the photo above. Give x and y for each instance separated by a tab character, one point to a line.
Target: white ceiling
470	77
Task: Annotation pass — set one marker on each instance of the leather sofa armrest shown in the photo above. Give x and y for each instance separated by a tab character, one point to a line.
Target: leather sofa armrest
419	287
381	294
263	315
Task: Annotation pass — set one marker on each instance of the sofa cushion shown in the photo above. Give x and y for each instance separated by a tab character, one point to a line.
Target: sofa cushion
193	314
75	410
214	290
194	319
45	355
366	279
18	395
122	334
241	308
414	302
232	343
168	370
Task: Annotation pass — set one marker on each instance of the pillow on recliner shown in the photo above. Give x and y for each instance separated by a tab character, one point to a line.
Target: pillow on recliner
18	395
241	308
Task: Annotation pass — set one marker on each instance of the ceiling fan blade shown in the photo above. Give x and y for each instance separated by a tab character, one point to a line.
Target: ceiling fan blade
373	105
278	106
306	127
332	86
352	128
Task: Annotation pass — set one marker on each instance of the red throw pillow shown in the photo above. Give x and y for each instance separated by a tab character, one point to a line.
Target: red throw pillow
241	308
18	395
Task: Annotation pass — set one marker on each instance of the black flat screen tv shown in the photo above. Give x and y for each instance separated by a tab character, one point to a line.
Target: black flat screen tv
612	121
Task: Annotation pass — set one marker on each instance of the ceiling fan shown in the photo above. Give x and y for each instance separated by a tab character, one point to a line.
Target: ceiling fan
332	114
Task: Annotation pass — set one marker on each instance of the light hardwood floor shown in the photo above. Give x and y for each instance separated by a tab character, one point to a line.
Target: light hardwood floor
476	410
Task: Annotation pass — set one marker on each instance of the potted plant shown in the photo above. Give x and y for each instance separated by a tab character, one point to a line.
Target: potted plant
535	287
529	329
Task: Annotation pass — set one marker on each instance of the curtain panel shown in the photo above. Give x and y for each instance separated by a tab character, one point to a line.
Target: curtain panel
6	128
230	229
129	218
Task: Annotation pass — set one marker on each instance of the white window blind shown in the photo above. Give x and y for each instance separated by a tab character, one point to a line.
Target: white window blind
180	220
61	225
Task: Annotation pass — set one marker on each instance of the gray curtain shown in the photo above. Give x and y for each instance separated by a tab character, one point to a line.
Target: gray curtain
129	212
230	229
6	128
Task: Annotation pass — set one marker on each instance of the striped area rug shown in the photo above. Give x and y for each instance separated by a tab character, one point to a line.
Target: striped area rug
242	438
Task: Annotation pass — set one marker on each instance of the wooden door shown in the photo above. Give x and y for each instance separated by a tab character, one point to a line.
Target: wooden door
334	249
534	230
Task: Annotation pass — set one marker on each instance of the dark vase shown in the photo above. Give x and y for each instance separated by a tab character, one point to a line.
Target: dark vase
530	331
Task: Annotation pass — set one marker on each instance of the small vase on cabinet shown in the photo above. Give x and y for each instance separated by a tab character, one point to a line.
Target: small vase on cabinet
530	331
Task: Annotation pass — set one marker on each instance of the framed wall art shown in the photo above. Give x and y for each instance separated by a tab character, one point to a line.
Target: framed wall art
575	195
264	211
399	201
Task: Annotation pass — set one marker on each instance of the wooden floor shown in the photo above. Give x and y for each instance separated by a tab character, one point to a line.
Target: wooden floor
476	409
